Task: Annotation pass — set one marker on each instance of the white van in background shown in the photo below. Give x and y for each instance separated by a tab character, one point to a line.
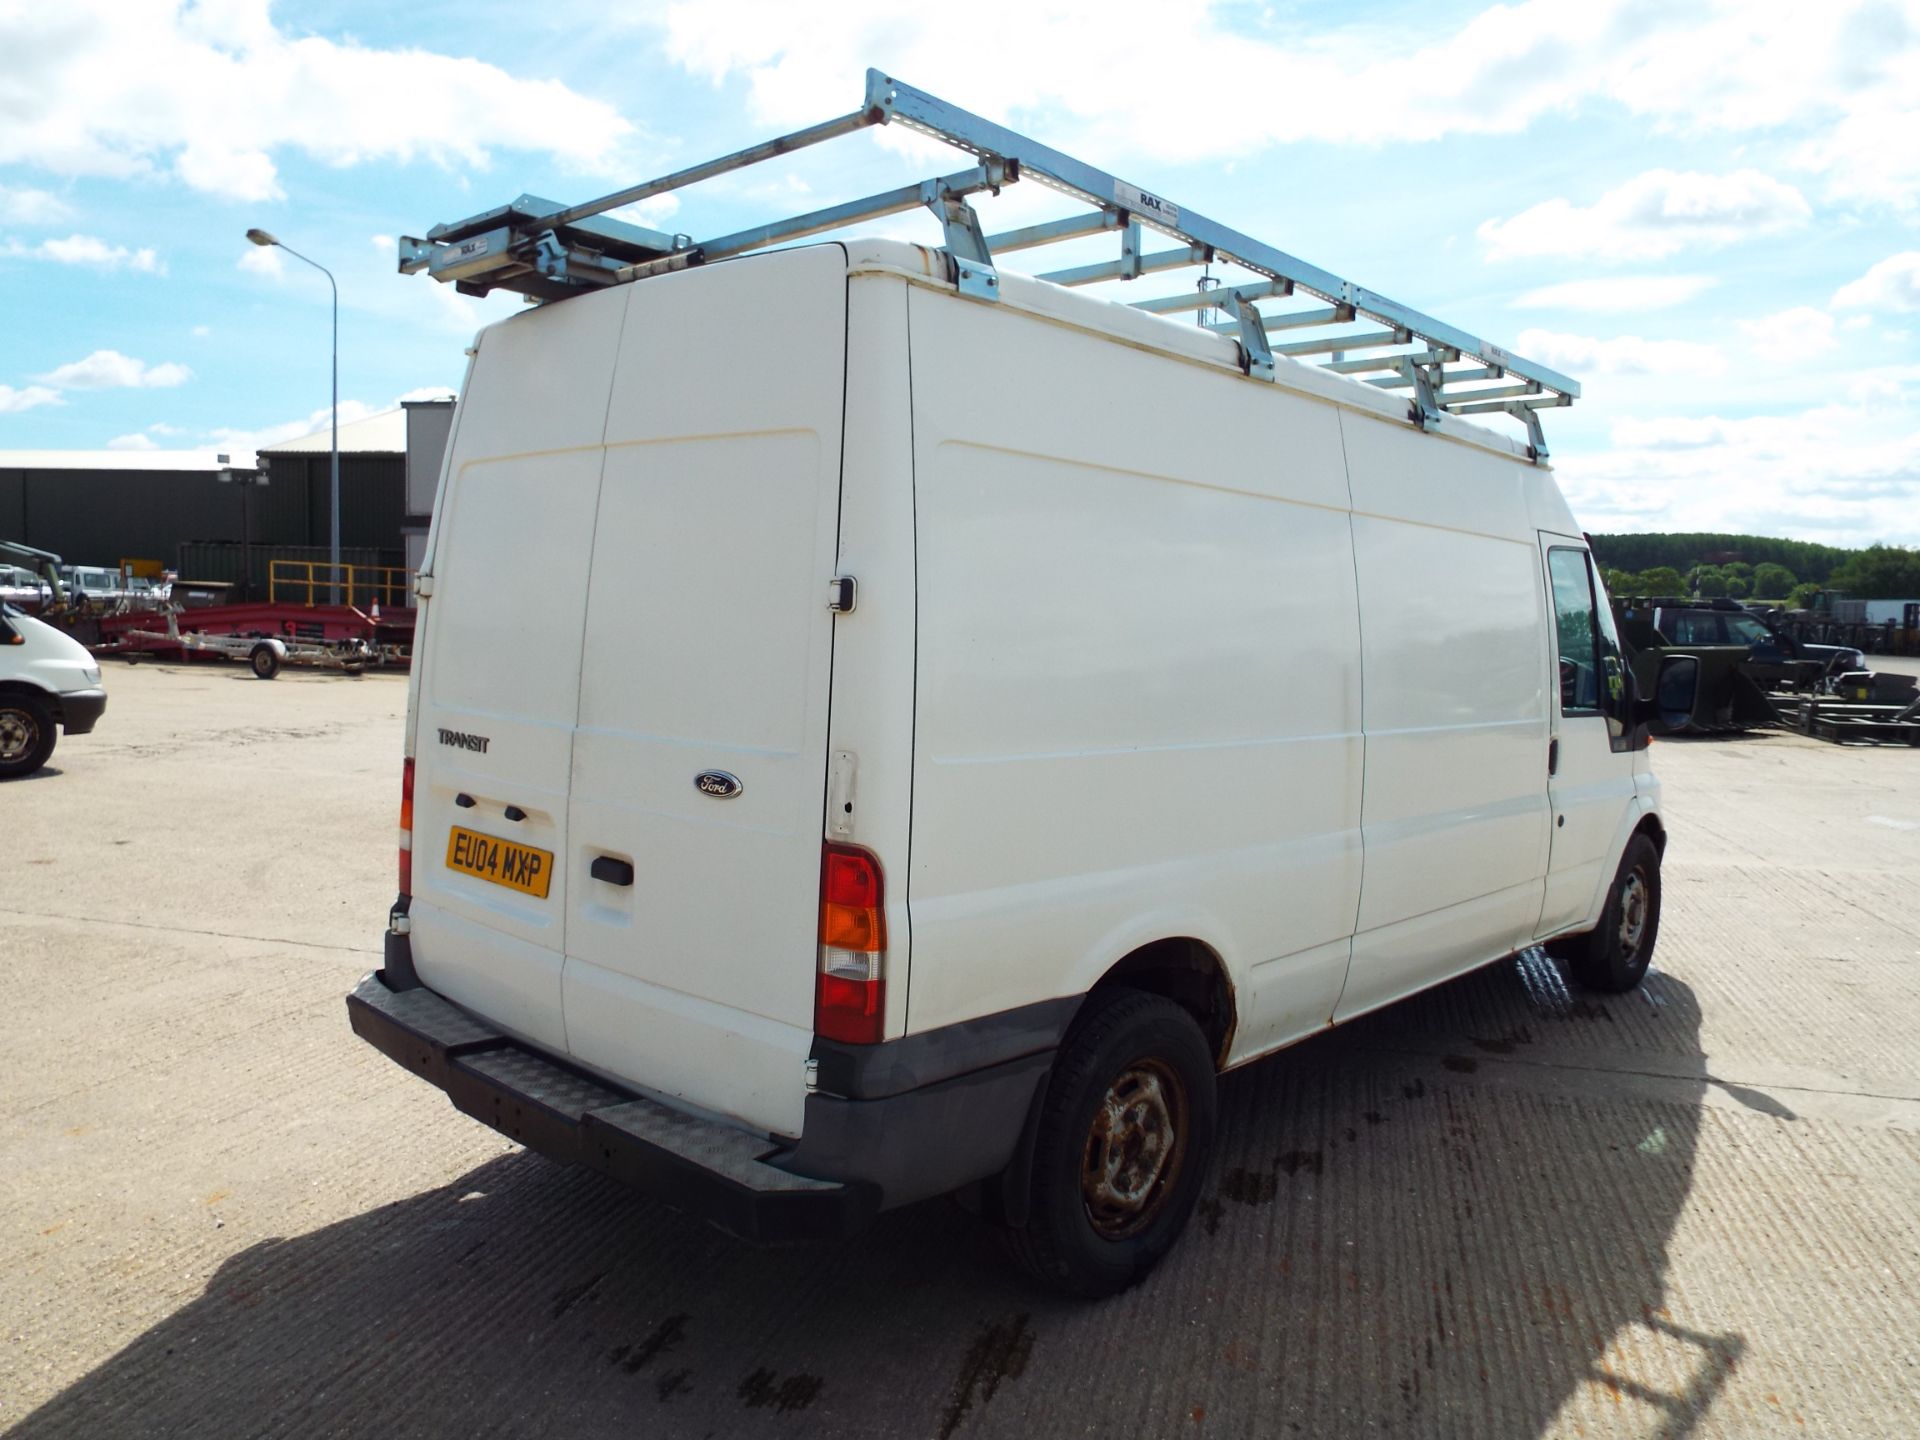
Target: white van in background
48	682
936	755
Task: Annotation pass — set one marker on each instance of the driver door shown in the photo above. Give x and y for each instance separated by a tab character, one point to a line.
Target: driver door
1589	759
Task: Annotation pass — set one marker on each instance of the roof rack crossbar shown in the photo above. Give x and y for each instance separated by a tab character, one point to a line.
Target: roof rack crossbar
1390	362
1054	231
1538	402
1127	267
549	252
1471	372
738	160
1207	299
835	217
1299	319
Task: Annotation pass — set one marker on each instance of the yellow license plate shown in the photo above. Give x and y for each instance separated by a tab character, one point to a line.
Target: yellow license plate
518	867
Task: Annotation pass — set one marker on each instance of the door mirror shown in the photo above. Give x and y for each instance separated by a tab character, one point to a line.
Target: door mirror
1676	687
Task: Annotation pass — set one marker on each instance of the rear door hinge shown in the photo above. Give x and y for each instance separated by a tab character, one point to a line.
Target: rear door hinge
842	592
840	795
423	585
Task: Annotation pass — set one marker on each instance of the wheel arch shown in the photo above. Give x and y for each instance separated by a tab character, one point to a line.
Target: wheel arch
1189	972
28	690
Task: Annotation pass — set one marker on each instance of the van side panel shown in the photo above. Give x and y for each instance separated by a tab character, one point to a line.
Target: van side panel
498	663
1452	615
1139	701
708	647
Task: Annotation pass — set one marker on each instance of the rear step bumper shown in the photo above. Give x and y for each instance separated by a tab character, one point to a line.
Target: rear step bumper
708	1169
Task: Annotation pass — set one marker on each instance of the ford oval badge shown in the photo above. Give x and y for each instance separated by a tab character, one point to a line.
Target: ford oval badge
718	783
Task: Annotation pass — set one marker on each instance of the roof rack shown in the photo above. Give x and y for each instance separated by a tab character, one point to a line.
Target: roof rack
548	251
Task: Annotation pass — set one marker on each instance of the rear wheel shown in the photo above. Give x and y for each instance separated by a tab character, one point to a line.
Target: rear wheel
1125	1134
265	661
1615	954
27	735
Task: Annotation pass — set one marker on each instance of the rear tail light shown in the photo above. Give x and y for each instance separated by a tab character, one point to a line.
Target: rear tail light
406	826
850	993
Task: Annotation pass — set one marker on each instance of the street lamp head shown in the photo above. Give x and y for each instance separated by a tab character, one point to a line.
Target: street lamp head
261	237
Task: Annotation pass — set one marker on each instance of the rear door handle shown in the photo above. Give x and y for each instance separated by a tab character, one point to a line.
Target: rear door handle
1553	757
614	872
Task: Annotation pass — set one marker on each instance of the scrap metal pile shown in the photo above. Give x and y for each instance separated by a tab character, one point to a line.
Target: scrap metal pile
1753	674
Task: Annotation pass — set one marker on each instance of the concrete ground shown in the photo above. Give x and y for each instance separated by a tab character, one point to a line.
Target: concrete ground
1502	1209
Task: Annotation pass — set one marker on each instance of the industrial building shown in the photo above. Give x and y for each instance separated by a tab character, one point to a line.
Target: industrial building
225	517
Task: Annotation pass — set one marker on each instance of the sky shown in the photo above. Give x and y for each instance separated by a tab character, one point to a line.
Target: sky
1707	213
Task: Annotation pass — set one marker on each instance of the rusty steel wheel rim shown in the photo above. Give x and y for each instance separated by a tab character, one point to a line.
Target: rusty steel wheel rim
1135	1148
1635	902
16	734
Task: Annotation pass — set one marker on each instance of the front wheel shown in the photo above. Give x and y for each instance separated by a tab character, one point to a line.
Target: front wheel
265	661
1615	954
27	735
1125	1135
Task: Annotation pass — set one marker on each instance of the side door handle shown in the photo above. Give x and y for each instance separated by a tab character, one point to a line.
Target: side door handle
614	872
1553	757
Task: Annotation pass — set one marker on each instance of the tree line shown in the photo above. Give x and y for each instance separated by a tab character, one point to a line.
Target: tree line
1753	567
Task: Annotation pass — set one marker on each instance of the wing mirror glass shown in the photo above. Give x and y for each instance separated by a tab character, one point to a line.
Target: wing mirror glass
1675	690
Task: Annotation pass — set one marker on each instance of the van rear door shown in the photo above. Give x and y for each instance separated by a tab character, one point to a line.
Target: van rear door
499	662
699	765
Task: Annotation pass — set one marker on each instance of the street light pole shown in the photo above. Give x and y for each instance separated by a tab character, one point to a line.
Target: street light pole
262	237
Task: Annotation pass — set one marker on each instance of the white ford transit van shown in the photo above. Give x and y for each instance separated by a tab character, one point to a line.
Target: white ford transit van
48	682
953	729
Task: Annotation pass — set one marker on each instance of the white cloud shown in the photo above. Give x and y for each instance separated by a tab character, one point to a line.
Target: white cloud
1585	355
213	91
27	206
237	441
135	441
1669	432
1651	216
1616	294
1839	78
1800	331
200	332
652	212
110	370
13	401
1847	473
263	260
1893	284
89	250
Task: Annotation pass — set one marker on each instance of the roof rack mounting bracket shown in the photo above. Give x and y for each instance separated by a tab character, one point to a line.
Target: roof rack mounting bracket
1256	355
1536	437
967	254
1424	413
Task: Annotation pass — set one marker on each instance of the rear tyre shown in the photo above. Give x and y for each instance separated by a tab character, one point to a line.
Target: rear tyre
27	735
265	661
1614	955
1124	1137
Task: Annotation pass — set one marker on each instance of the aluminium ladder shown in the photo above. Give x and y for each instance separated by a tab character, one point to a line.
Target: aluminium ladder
547	251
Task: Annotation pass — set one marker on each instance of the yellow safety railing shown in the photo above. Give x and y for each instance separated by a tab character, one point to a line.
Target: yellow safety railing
311	582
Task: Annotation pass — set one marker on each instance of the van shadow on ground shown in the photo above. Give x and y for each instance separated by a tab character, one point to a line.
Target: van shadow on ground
1393	1243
